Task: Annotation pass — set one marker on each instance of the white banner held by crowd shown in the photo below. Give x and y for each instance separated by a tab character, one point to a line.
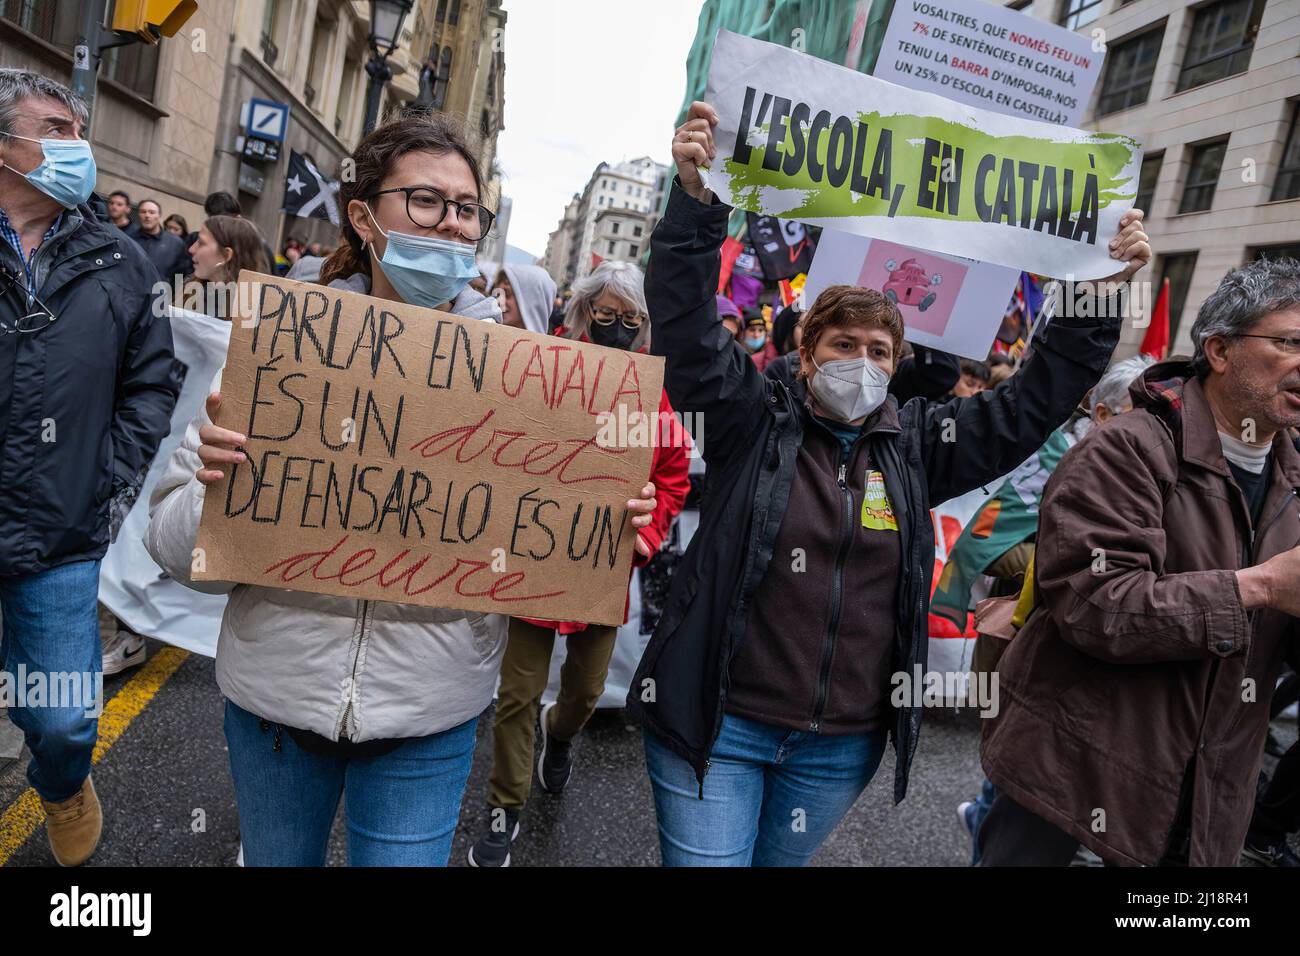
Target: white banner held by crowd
131	585
940	49
831	147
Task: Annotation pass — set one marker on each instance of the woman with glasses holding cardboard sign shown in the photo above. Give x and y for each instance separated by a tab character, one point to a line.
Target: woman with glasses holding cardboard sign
329	696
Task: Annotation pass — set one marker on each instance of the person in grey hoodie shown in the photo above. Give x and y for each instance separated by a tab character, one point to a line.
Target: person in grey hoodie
527	297
328	696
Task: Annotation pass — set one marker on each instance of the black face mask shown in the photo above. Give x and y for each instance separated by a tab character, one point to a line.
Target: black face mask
616	335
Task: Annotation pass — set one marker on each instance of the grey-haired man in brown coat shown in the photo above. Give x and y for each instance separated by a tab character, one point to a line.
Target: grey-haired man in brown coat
1134	702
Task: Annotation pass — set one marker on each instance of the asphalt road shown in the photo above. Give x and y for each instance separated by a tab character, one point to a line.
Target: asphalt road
168	801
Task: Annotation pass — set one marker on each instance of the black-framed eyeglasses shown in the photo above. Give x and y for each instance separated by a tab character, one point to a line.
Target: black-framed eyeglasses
602	316
29	320
427	208
1288	343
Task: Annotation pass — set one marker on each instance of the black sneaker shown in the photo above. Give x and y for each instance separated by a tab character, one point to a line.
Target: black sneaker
555	765
1256	853
493	849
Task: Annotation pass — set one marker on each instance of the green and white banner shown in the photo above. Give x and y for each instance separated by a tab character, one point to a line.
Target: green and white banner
801	138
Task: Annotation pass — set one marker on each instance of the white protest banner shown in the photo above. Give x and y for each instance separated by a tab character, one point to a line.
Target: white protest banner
131	585
803	139
947	302
926	47
992	57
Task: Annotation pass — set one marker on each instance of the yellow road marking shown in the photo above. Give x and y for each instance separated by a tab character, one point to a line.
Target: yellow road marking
24	816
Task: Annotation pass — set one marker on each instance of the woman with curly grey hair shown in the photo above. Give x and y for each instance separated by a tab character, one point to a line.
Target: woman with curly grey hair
608	308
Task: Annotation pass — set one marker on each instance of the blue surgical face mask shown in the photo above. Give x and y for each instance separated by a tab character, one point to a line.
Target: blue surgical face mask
67	173
426	271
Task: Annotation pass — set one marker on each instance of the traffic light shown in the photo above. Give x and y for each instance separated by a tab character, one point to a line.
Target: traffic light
149	18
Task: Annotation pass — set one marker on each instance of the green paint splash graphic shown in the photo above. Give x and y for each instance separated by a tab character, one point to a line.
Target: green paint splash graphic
1102	155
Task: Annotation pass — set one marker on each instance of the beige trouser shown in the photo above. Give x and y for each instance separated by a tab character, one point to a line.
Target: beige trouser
525	670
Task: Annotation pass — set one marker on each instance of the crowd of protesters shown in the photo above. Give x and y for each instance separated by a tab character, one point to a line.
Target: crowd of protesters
1152	575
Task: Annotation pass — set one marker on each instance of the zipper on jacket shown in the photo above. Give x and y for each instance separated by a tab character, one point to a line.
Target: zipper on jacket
760	522
46	250
352	681
837	594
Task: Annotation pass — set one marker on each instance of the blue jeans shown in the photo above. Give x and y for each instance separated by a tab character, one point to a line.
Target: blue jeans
771	796
401	807
51	628
983	803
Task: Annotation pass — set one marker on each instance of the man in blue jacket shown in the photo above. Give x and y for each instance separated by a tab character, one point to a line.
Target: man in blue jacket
86	394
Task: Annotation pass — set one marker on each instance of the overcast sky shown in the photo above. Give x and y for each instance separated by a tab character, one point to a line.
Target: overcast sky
586	81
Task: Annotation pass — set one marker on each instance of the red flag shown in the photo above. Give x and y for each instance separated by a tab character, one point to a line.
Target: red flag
1156	342
731	249
595	261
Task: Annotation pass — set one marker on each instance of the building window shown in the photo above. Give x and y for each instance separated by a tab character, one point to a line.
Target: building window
455	13
135	67
1147	181
1222	37
1077	13
612	247
37	17
344	108
633	251
1023	6
613	227
636	231
1131	65
485	125
270	28
1203	176
442	11
1289	250
1287	185
317	61
1178	270
444	78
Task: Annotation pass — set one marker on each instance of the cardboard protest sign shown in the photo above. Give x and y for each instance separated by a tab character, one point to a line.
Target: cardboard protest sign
992	57
803	139
400	454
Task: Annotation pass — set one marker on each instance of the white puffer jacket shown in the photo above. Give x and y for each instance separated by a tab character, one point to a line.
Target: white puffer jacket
342	668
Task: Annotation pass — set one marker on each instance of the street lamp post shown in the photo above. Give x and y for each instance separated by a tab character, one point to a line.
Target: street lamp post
386	18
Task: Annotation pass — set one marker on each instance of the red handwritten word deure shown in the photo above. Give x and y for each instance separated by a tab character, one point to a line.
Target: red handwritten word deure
392	573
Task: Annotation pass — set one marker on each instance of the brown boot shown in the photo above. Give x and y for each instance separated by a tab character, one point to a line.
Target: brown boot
74	825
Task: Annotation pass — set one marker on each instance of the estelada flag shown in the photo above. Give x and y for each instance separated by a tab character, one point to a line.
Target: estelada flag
1002	522
784	247
1156	342
307	192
